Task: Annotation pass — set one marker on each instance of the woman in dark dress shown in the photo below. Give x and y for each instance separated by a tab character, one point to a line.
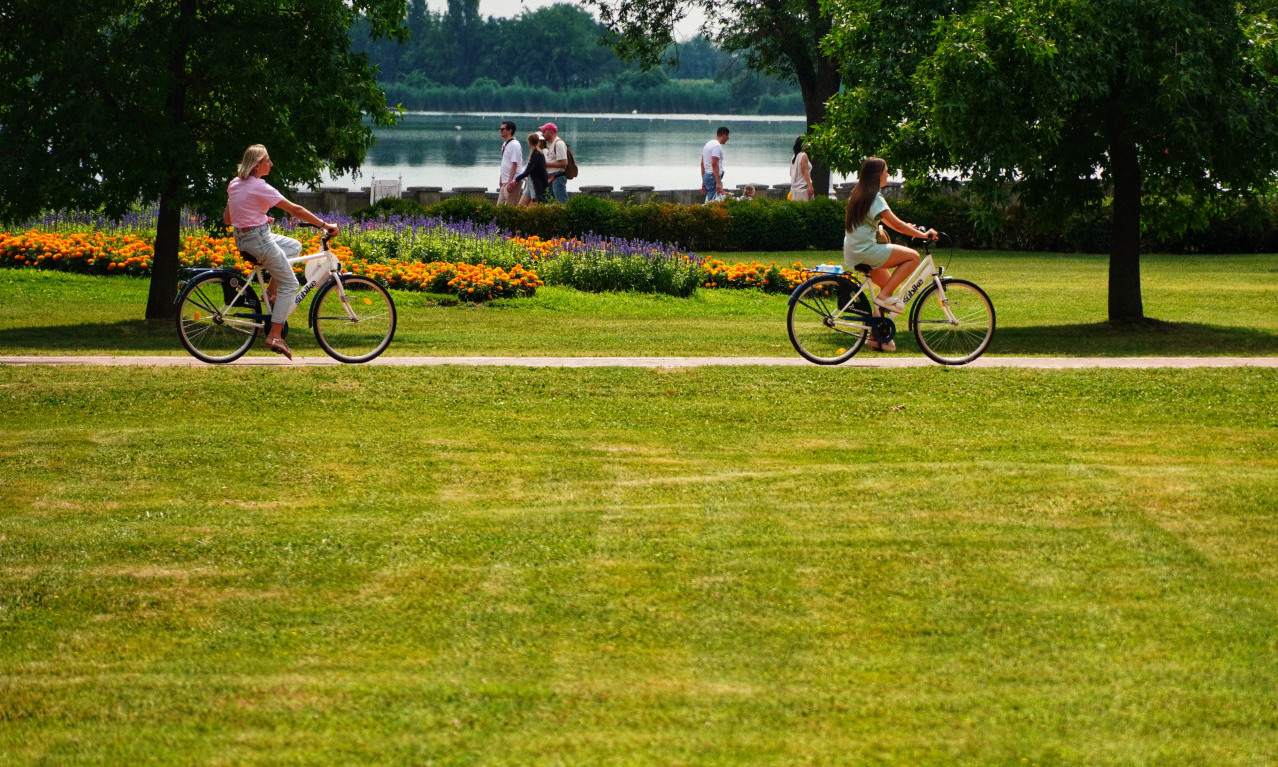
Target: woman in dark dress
534	172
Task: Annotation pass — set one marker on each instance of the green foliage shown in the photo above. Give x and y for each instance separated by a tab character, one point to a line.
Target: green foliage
107	103
1060	104
585	215
96	115
461	208
674	97
389	206
1232	225
784	225
545	221
596	273
456	62
436	244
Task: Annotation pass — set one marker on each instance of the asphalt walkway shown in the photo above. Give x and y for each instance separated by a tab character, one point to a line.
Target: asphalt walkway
860	361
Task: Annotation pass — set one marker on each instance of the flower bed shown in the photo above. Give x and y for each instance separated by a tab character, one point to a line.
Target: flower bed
476	263
101	253
766	277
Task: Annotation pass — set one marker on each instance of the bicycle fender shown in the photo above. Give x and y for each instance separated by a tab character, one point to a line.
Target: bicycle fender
190	273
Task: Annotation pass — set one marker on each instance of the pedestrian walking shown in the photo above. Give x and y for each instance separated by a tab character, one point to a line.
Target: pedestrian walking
712	165
512	156
556	162
800	173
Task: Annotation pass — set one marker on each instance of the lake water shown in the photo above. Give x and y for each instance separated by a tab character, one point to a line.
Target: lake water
662	151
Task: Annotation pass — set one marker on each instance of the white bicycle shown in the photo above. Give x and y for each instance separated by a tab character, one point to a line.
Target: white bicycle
220	313
831	315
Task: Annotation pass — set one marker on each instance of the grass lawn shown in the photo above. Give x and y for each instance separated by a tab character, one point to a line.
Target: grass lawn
1046	305
799	566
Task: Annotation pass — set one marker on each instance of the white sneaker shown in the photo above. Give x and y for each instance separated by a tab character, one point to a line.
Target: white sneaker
891	303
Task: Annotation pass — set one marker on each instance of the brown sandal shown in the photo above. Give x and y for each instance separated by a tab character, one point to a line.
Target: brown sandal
278	346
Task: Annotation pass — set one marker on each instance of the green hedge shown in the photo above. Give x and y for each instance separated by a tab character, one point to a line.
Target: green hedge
781	225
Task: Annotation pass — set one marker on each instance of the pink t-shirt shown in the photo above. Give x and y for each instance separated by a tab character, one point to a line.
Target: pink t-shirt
249	199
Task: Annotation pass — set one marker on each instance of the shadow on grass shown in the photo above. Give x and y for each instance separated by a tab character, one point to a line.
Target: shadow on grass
1095	340
122	337
1149	339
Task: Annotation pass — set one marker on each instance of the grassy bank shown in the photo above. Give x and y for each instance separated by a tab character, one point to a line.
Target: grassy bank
1046	305
585	567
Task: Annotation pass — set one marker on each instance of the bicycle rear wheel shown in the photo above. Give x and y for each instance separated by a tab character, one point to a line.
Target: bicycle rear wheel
813	315
957	341
357	339
202	320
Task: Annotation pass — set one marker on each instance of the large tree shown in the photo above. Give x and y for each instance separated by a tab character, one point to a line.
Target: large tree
1064	102
776	37
109	103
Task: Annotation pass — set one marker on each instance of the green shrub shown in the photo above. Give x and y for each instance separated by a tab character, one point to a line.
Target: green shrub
598	273
545	221
464	209
766	224
585	215
387	207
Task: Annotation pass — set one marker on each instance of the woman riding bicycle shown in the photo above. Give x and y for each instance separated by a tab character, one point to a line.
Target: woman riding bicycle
866	207
248	200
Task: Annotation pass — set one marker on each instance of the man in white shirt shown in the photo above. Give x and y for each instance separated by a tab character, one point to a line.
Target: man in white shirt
712	165
512	156
556	162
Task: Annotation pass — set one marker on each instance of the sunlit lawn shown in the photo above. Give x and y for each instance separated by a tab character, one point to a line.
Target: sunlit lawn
1046	305
465	566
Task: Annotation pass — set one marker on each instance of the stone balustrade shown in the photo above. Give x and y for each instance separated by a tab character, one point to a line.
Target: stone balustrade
347	200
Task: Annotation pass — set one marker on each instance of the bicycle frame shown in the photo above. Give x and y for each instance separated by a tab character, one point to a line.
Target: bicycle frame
926	270
258	320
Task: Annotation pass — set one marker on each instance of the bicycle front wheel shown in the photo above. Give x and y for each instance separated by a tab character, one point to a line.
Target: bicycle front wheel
360	334
209	328
959	340
816	329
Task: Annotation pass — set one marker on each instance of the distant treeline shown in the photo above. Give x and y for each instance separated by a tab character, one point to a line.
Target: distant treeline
673	97
555	60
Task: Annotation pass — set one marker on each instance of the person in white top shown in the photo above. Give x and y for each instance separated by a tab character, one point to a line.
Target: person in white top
866	207
248	198
800	173
512	156
712	165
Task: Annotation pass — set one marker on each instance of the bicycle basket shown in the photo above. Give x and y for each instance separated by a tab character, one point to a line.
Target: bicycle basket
318	267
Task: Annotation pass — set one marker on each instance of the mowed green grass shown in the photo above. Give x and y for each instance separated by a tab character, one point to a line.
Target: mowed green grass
1046	304
479	566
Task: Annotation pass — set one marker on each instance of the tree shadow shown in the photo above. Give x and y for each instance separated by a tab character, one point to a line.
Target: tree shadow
1152	338
122	337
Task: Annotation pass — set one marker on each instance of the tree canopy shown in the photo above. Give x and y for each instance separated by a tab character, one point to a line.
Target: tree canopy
106	104
1063	102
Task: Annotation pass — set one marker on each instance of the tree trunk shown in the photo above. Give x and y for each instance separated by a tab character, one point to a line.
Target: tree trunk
1124	255
164	266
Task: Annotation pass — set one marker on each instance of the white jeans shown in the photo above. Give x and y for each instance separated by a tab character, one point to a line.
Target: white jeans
273	251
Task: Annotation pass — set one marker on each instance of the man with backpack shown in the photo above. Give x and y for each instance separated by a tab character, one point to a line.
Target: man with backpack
558	162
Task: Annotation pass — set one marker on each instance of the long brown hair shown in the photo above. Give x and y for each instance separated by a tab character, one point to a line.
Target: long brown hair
863	194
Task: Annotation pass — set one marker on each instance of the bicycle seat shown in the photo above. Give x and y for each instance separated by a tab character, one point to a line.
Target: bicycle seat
252	259
862	268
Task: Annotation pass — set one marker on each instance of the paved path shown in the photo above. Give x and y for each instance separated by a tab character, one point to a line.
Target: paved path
861	361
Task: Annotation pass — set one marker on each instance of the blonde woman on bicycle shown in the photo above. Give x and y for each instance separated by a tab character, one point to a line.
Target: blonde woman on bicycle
866	208
248	200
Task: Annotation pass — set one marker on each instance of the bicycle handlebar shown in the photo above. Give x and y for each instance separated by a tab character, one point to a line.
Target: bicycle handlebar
324	238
